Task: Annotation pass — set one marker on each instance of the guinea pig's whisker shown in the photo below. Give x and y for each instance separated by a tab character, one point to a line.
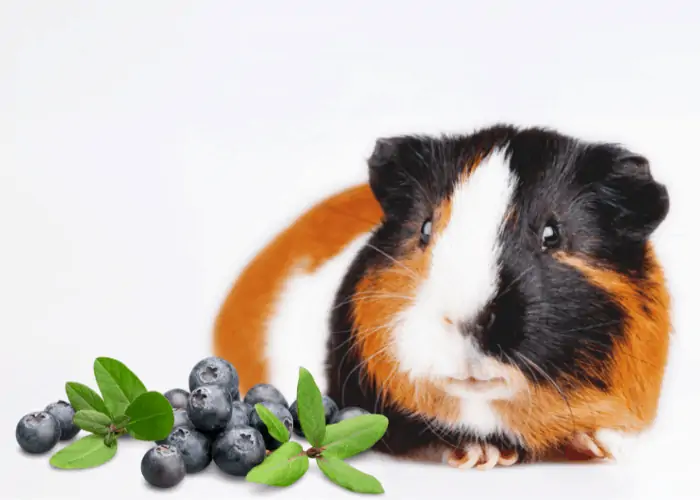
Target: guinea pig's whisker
354	329
402	273
551	380
359	365
348	351
590	327
360	335
435	430
380	294
382	392
362	298
515	281
397	262
515	365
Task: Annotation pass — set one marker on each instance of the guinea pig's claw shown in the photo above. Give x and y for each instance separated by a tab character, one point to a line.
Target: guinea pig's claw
585	446
481	457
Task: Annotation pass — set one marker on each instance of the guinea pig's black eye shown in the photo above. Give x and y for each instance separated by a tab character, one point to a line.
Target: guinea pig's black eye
426	232
551	237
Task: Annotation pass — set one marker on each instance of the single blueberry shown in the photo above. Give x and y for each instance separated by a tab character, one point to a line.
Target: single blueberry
296	424
209	408
238	450
329	409
264	393
63	412
194	447
163	466
348	413
180	420
177	398
282	413
38	432
215	371
240	415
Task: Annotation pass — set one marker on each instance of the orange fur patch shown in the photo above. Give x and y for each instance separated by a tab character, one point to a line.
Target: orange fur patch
545	420
318	235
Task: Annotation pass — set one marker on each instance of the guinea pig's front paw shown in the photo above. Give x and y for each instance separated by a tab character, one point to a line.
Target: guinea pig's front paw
480	456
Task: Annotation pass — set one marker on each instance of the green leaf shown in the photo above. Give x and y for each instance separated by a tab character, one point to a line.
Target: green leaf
119	386
81	397
274	426
92	421
310	408
355	435
348	477
151	417
120	422
283	467
87	452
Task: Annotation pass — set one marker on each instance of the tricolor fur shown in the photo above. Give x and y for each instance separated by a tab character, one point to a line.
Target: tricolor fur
497	287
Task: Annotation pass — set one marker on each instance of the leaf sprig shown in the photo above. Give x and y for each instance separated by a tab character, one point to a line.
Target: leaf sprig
125	407
330	444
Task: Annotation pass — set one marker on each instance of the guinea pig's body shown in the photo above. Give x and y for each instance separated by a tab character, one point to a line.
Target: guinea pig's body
494	294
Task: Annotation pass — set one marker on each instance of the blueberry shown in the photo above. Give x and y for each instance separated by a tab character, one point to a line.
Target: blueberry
64	413
38	432
163	466
329	408
296	425
349	412
238	450
282	413
194	447
240	415
264	392
181	418
215	371
177	398
209	408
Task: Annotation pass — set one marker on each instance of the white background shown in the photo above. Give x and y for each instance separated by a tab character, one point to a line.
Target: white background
148	149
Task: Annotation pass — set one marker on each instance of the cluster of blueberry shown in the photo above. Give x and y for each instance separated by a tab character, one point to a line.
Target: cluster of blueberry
40	431
213	423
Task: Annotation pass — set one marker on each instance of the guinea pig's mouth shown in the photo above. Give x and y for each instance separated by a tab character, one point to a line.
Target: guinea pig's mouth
478	384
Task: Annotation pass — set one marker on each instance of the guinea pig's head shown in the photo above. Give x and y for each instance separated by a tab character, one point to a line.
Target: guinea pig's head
508	260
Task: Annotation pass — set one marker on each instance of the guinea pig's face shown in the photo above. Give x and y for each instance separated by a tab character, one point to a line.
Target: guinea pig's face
494	252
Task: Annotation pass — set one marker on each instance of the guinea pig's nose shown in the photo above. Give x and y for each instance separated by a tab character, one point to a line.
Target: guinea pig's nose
486	319
479	325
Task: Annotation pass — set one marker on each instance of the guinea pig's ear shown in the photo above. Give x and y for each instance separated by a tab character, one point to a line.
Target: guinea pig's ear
384	176
637	203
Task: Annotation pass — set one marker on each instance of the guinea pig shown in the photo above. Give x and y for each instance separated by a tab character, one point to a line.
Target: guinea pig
494	294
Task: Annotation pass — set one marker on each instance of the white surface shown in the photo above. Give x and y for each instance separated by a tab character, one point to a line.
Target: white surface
148	149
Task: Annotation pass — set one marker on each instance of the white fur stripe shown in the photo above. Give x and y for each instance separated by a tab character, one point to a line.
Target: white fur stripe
463	277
